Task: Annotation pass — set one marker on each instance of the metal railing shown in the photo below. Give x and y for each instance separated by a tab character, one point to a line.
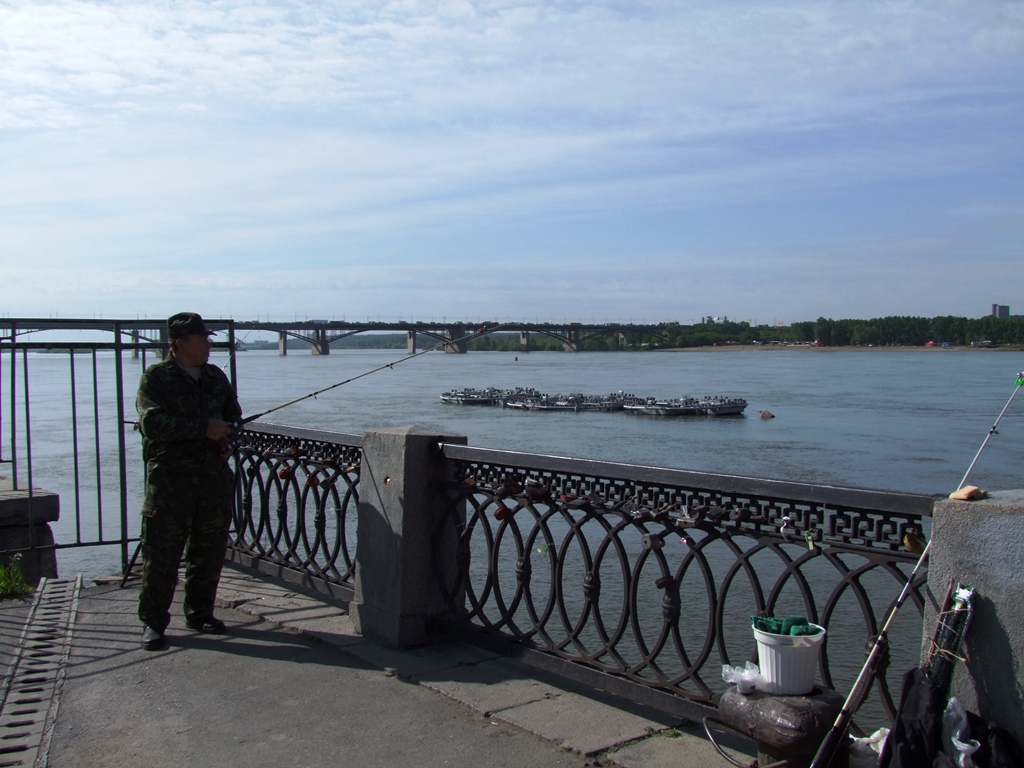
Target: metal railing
295	507
651	575
64	422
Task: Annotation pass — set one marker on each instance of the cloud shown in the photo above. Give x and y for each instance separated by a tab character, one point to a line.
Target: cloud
559	140
677	68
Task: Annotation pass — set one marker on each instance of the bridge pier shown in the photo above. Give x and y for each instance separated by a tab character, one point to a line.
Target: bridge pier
455	344
282	343
571	340
321	345
524	340
410	342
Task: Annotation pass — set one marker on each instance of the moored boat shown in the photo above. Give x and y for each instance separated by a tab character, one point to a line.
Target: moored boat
489	396
724	406
684	406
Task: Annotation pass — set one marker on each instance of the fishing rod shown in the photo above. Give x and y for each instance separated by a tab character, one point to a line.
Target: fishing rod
485	329
237	426
830	745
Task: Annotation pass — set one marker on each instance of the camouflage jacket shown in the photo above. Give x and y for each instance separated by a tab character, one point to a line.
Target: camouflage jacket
174	411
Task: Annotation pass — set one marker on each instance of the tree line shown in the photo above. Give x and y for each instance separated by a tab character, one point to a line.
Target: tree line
900	331
896	330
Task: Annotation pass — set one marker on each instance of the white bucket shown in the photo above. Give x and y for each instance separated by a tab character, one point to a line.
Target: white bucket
788	663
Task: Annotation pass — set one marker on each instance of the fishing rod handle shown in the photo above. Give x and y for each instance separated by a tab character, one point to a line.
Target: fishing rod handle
830	744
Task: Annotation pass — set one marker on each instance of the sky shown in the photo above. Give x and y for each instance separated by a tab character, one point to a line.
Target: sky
595	161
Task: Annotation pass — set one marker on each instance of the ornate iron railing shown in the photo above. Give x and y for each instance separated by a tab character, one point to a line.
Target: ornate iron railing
297	492
652	575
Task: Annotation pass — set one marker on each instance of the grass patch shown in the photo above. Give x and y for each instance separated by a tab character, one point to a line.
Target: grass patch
12	580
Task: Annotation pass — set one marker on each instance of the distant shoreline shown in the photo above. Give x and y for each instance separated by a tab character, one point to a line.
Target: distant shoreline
812	348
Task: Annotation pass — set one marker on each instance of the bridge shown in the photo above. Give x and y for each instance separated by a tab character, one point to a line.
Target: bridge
452	336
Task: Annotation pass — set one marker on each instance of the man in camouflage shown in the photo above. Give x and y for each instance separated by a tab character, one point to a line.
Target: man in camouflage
185	407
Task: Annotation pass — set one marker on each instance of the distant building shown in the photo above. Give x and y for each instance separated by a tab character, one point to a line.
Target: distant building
1000	310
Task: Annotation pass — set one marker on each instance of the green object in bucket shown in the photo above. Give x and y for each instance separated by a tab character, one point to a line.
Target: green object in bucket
791	625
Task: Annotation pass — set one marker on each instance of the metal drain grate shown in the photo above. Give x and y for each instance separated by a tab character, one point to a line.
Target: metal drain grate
32	692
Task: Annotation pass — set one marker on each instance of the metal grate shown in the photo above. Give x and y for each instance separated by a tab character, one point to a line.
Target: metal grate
32	692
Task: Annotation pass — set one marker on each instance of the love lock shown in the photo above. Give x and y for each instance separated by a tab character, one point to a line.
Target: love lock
651	542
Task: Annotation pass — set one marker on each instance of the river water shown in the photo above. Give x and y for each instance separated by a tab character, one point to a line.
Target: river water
901	420
909	420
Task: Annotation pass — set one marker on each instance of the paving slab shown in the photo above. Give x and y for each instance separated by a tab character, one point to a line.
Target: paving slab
580	723
293	684
327	621
416	662
495	687
675	747
490	686
256	697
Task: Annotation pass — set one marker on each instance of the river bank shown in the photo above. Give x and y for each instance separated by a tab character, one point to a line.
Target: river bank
820	348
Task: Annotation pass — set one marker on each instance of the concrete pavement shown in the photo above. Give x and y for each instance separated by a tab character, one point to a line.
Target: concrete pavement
291	684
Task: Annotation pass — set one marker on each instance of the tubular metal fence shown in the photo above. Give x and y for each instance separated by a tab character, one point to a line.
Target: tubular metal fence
64	424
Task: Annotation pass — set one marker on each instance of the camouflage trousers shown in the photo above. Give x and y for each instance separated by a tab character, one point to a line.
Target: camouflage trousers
185	513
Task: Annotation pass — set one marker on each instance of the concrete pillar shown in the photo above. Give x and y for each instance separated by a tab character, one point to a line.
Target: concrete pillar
135	340
571	340
24	524
320	344
397	590
524	340
410	342
282	343
979	543
455	343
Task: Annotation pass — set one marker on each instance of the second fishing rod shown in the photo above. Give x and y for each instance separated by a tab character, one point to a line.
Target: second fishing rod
832	742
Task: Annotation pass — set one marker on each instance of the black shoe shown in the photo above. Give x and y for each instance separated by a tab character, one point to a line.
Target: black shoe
153	639
209	625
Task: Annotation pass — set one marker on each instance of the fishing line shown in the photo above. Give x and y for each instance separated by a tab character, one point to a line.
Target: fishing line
1020	383
238	425
480	332
830	745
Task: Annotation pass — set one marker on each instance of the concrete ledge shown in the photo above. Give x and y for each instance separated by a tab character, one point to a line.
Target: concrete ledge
979	543
38	559
24	508
24	525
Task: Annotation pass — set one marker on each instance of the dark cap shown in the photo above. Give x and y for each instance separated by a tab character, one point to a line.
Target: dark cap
186	324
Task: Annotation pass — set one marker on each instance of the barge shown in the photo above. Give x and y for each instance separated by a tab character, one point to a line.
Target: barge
529	399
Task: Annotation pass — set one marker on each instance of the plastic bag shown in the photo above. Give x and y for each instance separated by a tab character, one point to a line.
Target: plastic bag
746	678
790	625
864	753
956	735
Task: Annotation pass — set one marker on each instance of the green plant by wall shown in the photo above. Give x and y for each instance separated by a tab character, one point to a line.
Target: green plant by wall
12	580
